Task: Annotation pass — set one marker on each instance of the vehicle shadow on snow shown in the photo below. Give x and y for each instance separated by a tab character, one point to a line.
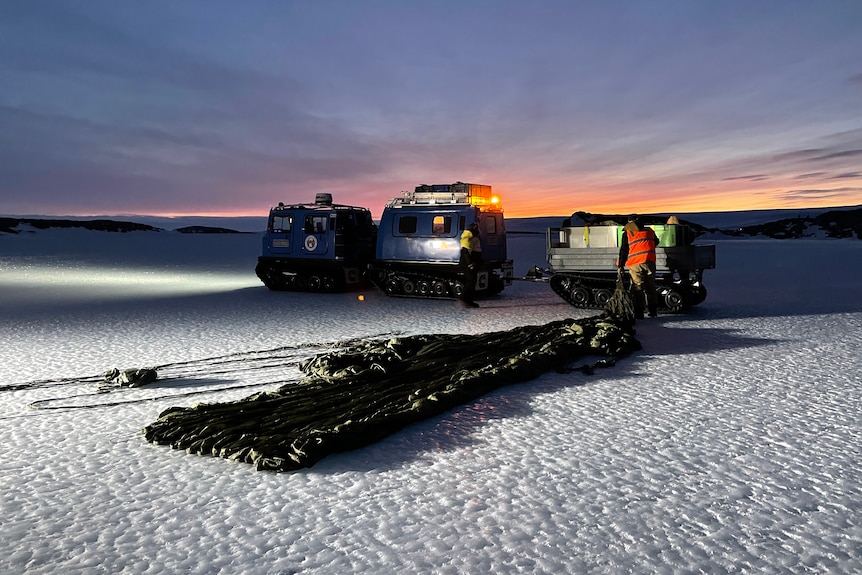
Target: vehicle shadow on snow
672	338
775	303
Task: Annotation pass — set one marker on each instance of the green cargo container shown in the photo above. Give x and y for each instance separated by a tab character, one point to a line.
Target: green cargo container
669	235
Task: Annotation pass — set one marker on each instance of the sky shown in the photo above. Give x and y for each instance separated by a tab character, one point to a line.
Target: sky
731	443
227	108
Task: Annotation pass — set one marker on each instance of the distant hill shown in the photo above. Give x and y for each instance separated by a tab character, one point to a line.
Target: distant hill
14	225
235	223
730	220
832	224
207	230
11	225
779	224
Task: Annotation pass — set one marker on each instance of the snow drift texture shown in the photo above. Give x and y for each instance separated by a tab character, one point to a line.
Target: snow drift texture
729	444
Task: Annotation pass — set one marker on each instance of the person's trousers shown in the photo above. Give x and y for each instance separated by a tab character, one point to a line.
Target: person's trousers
643	286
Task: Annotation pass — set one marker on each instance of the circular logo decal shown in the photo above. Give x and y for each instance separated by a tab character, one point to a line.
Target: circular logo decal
310	243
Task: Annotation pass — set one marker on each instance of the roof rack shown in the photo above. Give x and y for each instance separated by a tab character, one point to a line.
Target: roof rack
444	194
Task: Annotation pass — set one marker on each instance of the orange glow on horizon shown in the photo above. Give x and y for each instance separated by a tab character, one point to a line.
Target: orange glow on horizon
537	203
547	199
263	213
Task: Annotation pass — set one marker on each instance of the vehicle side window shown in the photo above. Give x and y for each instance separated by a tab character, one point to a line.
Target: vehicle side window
344	221
282	224
407	225
489	225
441	225
315	224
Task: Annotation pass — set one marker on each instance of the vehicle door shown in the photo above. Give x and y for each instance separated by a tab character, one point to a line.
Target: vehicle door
315	230
279	237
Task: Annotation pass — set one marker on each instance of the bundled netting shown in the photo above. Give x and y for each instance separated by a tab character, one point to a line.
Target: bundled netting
620	307
358	395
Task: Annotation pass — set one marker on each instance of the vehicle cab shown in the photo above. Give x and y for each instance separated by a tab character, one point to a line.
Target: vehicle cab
313	247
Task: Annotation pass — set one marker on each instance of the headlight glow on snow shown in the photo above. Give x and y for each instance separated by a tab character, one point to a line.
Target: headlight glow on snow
89	281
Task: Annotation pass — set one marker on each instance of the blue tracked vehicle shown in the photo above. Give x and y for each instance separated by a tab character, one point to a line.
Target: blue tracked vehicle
319	247
418	242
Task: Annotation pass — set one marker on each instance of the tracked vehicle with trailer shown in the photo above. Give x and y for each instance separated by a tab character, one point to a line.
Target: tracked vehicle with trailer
582	264
418	242
319	247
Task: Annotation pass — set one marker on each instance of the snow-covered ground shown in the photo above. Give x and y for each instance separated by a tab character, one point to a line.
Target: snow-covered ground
730	444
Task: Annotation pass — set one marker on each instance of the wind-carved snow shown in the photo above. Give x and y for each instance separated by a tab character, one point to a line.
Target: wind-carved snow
730	443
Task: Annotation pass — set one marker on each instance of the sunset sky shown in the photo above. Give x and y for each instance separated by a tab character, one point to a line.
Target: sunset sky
220	107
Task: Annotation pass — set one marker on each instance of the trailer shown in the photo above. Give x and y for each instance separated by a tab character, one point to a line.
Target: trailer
582	263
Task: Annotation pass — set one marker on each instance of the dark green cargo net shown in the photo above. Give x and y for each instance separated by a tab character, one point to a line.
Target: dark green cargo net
353	397
620	308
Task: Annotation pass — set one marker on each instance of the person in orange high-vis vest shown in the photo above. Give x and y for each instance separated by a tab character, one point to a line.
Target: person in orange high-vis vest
637	253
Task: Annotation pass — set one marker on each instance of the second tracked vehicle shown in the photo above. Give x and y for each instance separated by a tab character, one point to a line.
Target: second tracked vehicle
418	242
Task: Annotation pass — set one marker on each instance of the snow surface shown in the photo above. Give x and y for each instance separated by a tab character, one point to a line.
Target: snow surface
730	444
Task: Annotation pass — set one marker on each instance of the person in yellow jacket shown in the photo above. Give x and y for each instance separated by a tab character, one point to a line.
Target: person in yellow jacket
471	258
637	253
